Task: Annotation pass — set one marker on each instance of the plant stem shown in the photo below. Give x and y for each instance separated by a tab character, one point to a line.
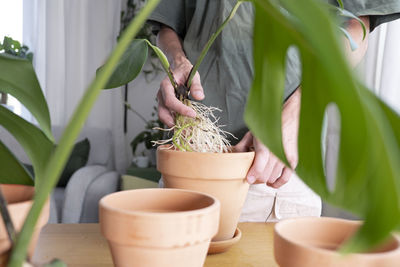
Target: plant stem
7	219
164	62
61	153
128	106
210	42
3	99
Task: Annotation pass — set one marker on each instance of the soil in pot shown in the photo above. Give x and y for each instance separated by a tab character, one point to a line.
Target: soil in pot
313	242
159	227
222	175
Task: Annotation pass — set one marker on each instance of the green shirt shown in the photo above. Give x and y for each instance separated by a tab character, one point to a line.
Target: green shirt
227	70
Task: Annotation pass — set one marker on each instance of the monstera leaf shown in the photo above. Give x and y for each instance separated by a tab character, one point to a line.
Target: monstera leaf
34	142
130	64
12	171
368	173
18	78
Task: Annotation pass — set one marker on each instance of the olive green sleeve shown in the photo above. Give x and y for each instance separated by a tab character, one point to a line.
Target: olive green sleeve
170	13
379	11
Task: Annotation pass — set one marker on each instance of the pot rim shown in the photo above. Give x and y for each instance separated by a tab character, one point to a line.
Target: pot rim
208	209
278	231
170	150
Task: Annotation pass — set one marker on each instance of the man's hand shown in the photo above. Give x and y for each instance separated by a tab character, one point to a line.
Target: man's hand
266	167
170	43
168	103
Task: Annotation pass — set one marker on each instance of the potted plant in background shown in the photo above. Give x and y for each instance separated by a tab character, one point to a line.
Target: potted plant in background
13	47
152	133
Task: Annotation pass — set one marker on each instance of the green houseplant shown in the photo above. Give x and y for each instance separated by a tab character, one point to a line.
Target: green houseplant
18	79
311	29
364	158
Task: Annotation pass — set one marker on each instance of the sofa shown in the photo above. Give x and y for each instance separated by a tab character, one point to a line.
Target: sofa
77	202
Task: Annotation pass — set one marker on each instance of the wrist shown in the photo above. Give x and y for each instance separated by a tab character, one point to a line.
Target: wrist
178	59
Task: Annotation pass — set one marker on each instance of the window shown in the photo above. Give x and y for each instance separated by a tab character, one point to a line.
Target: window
11	14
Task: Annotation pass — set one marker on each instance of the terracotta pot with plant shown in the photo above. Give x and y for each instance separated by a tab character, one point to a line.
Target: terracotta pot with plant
221	175
200	157
367	168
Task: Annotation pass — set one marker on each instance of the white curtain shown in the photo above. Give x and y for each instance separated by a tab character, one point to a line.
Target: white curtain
382	63
70	40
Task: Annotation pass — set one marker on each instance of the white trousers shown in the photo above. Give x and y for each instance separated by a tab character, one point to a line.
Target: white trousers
267	204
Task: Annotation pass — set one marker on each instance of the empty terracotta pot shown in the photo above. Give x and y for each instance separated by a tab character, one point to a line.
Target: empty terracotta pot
19	199
222	175
159	227
313	242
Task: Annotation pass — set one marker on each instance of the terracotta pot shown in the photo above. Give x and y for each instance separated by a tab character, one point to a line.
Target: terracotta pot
313	242
159	227
19	199
222	175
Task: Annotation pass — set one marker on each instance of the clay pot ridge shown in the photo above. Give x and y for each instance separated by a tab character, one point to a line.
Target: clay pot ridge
221	175
204	164
158	213
159	227
351	227
184	219
316	241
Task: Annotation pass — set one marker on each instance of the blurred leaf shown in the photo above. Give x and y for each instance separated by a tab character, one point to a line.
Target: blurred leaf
347	14
137	140
353	44
55	263
59	157
367	179
18	78
130	64
36	145
12	171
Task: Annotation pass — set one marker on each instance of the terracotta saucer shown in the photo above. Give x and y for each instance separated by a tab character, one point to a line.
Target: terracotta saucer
222	246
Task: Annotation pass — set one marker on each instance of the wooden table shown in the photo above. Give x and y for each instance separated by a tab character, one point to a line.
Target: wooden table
82	245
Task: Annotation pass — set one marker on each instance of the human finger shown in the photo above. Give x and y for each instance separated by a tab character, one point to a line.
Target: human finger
171	102
244	144
275	173
196	89
269	167
163	113
257	168
285	177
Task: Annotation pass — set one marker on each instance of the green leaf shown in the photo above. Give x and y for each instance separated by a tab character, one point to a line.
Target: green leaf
368	173
18	78
55	263
60	155
348	14
130	64
164	62
269	74
353	44
12	171
137	140
36	145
